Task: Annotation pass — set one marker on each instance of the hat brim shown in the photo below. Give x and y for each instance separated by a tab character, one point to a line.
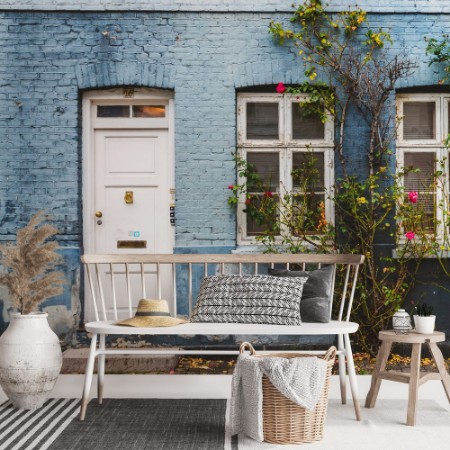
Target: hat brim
157	321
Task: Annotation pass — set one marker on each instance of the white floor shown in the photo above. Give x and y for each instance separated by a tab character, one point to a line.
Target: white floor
381	428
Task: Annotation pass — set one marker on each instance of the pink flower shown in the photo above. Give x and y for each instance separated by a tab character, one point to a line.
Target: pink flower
231	187
281	88
410	235
248	202
413	196
268	194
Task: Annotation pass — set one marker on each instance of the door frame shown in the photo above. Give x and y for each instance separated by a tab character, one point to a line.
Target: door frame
90	123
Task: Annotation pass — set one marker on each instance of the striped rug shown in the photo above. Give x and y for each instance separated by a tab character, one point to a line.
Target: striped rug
118	424
21	429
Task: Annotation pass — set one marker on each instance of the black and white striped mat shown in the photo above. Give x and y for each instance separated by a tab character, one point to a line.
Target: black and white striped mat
21	429
118	424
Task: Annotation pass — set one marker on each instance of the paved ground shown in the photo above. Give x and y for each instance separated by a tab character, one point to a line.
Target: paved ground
74	361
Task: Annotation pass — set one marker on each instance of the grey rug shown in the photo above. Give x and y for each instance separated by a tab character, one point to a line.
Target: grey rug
141	424
131	424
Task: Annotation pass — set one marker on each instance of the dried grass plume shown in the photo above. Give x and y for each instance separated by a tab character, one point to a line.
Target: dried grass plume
29	265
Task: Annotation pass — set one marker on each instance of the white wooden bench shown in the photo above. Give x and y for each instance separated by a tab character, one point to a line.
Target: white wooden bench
117	282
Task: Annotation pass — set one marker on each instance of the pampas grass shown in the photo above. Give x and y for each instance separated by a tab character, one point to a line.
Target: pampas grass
29	265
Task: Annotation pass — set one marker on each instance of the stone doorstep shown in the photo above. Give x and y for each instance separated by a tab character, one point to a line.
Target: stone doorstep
74	361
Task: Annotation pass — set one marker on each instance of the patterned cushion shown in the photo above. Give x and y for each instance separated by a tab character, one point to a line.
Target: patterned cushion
249	299
317	293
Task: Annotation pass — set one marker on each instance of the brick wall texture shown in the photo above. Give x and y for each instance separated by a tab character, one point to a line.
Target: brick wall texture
50	53
48	58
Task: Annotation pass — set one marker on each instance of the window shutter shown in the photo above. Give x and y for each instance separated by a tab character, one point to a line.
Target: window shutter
419	120
422	182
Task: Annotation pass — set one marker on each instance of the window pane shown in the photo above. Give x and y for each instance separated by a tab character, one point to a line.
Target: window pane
265	169
262	214
262	121
308	171
306	126
113	111
308	214
419	177
149	111
419	120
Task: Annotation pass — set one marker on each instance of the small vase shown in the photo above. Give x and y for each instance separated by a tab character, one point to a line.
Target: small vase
401	322
30	360
424	324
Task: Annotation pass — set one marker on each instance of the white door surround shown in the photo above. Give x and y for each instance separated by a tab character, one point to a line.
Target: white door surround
127	172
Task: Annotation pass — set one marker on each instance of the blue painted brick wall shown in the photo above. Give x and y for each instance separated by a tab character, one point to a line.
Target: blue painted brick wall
48	57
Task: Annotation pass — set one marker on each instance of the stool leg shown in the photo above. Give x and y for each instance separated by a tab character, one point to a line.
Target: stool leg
413	384
342	371
352	376
440	364
382	358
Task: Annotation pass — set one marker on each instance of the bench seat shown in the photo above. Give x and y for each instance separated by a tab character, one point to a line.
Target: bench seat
334	327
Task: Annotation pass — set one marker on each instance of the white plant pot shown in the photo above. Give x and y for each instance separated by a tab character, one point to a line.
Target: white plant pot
30	360
424	324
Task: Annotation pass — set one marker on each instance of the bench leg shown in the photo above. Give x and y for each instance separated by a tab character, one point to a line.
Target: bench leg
382	358
101	370
342	371
352	376
440	364
88	376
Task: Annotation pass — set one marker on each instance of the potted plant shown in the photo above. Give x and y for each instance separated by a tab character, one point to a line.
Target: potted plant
424	320
30	352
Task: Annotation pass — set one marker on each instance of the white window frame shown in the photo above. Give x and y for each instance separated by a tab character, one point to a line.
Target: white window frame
285	146
428	145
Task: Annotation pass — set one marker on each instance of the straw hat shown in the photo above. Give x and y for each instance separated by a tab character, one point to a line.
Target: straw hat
152	313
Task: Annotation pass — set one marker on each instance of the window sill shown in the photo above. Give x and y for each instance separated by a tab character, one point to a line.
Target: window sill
443	255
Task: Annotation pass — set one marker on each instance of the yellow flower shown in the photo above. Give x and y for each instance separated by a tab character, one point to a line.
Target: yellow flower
313	76
383	169
361	200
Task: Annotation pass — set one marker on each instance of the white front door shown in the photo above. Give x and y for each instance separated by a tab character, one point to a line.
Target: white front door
132	192
128	178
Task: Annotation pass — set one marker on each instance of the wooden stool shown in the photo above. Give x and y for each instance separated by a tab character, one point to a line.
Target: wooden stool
414	378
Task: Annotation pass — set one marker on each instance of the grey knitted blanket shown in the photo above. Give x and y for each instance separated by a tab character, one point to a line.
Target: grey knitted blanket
299	379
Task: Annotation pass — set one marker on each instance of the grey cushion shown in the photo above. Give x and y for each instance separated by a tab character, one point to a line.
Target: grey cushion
317	292
249	299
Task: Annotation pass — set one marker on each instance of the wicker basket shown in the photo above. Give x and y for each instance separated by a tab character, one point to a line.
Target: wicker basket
285	422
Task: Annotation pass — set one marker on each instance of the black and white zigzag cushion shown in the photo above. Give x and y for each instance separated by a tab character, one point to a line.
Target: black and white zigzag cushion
249	299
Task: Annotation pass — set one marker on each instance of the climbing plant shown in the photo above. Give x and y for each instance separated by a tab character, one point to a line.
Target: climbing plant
348	66
439	52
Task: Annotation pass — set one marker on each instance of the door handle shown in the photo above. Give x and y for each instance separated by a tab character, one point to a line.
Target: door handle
98	214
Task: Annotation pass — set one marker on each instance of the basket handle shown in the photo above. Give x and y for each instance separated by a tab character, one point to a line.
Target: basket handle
330	354
247	346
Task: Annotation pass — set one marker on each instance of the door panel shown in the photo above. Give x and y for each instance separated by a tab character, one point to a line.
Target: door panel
132	192
132	197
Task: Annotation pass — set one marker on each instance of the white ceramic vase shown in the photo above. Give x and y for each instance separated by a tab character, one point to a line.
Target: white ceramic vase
30	360
424	324
401	322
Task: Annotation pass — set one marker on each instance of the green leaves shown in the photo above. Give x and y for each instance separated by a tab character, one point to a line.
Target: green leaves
422	309
439	50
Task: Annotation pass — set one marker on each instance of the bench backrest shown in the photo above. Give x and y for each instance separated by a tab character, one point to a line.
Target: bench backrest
117	282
